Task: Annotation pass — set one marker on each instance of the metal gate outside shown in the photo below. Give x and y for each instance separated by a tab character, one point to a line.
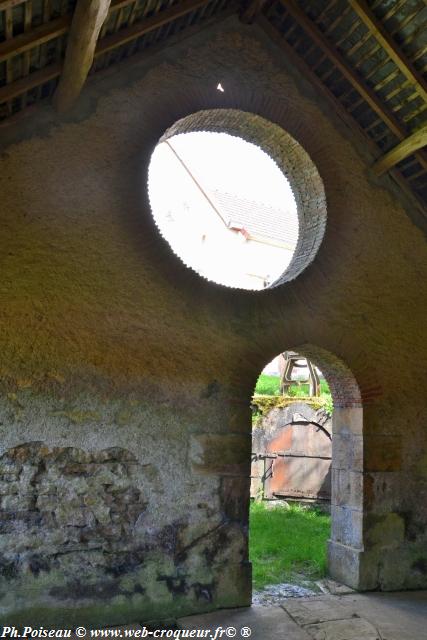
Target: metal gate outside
294	459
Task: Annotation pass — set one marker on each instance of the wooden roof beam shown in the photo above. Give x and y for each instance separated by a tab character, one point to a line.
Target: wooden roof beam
51	29
82	41
387	42
37	36
36	79
18	87
87	21
398	129
406	148
5	4
353	125
145	26
366	92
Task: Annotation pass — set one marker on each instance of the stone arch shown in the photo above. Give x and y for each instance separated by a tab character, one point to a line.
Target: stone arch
291	158
346	542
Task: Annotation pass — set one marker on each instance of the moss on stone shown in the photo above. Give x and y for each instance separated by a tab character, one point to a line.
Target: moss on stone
264	404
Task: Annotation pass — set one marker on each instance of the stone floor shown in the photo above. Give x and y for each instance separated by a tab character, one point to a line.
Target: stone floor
369	616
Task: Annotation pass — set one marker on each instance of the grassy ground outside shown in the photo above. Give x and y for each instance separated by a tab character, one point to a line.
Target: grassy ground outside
287	544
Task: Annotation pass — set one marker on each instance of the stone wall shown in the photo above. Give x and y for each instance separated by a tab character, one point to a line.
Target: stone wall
110	346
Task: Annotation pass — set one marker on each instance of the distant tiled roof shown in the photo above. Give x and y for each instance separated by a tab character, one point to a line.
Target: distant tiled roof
257	218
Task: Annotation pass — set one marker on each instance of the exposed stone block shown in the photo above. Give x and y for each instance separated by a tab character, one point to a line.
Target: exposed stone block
347	452
347	488
348	420
347	526
344	564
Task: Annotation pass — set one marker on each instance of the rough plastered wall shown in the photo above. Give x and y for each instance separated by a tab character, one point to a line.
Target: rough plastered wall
126	378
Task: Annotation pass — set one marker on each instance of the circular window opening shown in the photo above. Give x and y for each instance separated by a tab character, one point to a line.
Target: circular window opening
225	192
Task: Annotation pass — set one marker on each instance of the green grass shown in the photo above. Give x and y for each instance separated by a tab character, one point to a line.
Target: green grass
287	544
270	386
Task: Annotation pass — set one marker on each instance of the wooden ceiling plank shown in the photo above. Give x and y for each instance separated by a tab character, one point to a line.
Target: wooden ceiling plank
356	24
133	13
326	74
120	4
49	30
373	124
87	21
416	175
338	107
356	46
28	15
419	53
337	20
254	7
8	23
309	51
355	105
390	46
367	56
6	4
321	59
326	10
405	22
394	92
416	113
34	38
36	79
394	9
376	68
46	10
407	147
346	70
307	71
8	32
145	26
290	29
25	69
398	129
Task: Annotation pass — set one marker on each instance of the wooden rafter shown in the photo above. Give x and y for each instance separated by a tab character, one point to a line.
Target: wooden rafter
37	78
88	19
307	71
145	26
7	4
346	70
60	26
390	46
35	37
342	113
254	7
406	148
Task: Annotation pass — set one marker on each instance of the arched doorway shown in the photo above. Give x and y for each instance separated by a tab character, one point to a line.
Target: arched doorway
284	446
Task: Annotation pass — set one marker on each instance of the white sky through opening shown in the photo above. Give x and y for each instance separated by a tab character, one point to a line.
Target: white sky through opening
225	208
